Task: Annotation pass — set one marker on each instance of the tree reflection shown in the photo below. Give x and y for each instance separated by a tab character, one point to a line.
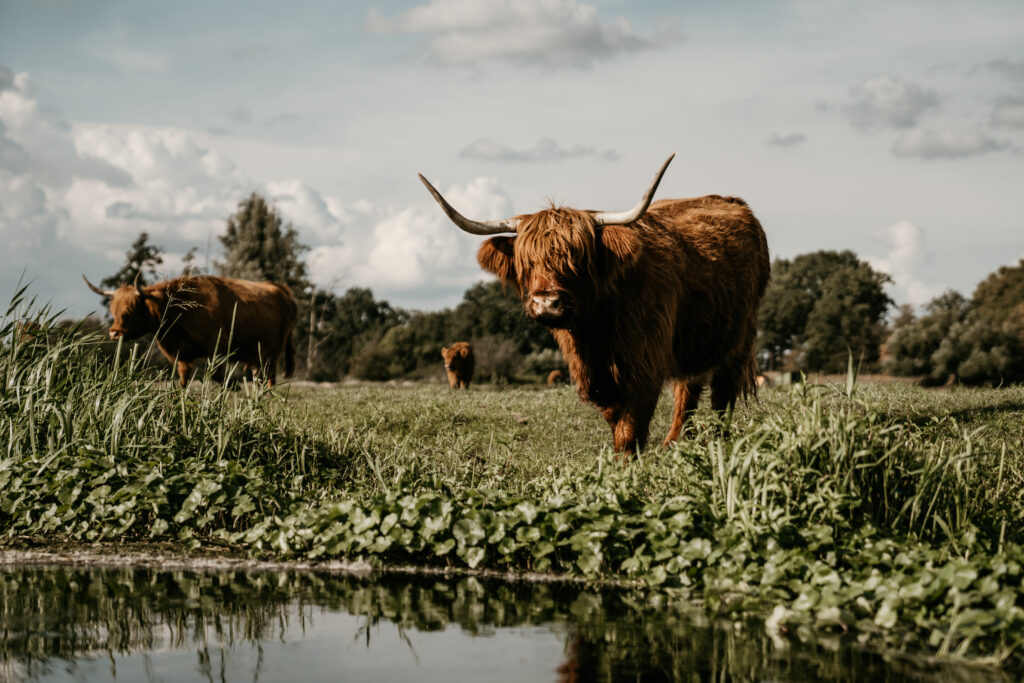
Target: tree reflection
60	615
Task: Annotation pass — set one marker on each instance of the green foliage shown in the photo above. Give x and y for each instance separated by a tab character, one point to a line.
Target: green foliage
979	350
826	304
341	332
141	259
911	346
369	340
1000	299
490	309
496	358
258	247
974	342
543	361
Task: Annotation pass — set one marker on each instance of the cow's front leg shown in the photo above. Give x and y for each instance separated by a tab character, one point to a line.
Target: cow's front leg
184	372
631	423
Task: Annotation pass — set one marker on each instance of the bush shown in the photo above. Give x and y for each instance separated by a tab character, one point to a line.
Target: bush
496	359
373	362
542	362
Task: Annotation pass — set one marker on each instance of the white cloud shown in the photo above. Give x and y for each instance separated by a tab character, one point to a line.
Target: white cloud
1010	69
885	101
789	140
28	218
906	256
947	143
1009	112
181	192
552	33
35	141
414	248
322	219
546	150
117	181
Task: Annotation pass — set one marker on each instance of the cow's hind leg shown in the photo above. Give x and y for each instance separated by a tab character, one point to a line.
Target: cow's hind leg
686	395
723	393
272	370
726	386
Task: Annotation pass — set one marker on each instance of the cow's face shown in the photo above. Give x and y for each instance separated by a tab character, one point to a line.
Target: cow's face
562	265
132	318
454	357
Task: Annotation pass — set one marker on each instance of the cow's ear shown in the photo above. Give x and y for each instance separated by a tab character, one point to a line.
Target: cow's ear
495	256
444	351
622	248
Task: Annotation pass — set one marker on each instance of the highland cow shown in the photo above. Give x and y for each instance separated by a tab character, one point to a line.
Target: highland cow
195	317
458	364
664	291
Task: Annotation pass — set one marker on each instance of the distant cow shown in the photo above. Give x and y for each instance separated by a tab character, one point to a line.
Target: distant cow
555	377
668	290
193	317
458	364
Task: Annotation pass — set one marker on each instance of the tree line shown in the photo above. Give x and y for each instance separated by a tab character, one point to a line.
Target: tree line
818	309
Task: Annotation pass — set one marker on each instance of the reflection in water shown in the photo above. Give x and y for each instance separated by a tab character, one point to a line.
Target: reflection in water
121	624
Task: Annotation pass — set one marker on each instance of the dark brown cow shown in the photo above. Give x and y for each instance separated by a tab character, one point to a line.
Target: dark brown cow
193	317
458	364
668	290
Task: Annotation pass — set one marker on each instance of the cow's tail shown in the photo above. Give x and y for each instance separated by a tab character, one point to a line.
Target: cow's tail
289	339
289	354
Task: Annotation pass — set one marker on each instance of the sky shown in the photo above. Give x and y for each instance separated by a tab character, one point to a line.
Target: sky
892	128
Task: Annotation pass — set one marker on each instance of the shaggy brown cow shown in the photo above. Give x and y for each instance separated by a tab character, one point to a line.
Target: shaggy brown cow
555	377
668	290
193	317
458	363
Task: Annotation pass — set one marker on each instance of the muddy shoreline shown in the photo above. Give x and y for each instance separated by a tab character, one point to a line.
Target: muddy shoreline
167	557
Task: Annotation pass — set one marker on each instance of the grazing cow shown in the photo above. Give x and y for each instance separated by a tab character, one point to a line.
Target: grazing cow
458	364
668	290
555	377
194	317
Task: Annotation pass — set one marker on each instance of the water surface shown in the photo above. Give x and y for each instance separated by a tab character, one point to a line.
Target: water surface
72	624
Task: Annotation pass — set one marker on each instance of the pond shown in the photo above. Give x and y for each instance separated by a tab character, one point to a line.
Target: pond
64	623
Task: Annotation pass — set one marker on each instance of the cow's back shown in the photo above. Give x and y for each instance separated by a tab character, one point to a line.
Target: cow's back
717	265
255	316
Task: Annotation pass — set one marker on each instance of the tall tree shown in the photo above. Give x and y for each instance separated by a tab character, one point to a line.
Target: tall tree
999	298
142	257
824	304
340	325
141	260
257	246
911	347
974	342
490	309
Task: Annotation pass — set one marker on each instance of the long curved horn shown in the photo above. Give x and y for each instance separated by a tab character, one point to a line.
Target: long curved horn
627	217
101	292
138	287
473	227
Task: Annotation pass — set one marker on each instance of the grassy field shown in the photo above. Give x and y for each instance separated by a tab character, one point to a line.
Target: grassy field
891	512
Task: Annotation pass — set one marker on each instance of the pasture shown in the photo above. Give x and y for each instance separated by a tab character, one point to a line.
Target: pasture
891	514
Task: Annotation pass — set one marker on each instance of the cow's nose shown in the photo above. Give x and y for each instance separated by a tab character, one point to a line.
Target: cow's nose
115	334
546	304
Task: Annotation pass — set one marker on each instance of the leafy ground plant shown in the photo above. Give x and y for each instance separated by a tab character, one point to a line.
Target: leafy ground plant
892	513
